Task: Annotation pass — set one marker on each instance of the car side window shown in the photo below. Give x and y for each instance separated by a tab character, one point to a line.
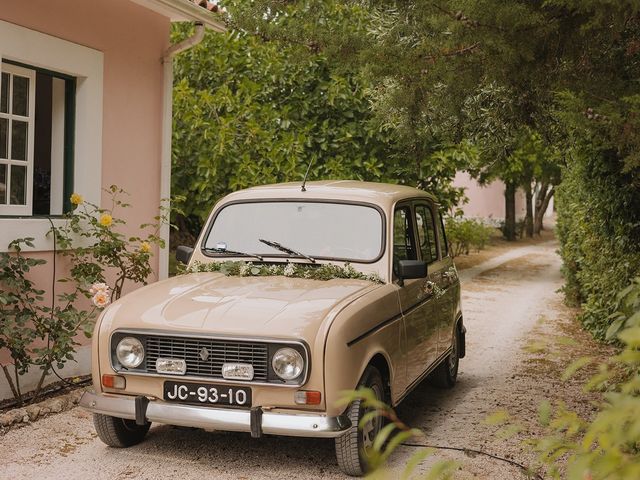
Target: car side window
426	233
403	243
444	247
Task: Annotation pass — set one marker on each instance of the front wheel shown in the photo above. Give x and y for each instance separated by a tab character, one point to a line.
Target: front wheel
119	432
354	446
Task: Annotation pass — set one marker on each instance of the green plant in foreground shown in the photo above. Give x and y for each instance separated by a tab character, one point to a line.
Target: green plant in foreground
392	435
607	445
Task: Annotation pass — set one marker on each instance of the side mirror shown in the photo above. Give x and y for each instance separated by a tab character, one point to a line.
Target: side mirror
408	269
183	254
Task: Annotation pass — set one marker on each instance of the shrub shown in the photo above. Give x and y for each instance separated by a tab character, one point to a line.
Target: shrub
599	232
463	234
598	204
91	241
24	319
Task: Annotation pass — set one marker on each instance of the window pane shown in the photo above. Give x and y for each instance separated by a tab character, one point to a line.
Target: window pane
18	185
18	140
20	95
4	93
402	236
3	184
443	239
4	137
426	233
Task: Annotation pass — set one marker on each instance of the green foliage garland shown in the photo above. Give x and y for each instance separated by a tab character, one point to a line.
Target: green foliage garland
294	270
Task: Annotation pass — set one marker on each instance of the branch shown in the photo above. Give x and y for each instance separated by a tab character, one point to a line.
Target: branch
454	53
15	393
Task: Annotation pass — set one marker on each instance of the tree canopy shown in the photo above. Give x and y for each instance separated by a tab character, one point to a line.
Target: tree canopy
529	92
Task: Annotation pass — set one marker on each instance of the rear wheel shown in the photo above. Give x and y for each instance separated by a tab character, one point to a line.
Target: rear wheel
119	432
446	374
354	446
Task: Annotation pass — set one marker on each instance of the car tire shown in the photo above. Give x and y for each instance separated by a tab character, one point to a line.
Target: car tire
352	445
446	374
119	432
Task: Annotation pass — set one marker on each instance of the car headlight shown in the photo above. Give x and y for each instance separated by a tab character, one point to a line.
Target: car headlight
130	352
287	363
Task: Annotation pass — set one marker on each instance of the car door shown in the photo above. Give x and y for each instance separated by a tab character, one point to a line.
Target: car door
428	249
451	286
421	337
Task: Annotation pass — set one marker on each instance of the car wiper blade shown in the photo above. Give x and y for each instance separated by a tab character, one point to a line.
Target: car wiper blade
233	252
290	251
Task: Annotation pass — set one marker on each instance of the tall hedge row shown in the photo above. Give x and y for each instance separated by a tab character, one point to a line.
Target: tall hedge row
599	230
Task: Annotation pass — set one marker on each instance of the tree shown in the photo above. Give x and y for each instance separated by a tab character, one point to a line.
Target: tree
425	61
249	111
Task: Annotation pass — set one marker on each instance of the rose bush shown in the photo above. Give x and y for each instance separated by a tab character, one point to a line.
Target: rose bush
101	259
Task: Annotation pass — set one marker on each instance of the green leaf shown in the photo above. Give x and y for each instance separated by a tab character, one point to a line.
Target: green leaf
576	365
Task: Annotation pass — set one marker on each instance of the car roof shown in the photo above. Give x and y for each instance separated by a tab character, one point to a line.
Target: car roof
383	194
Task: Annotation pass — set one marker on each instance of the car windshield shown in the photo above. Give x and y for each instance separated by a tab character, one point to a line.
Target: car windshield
317	229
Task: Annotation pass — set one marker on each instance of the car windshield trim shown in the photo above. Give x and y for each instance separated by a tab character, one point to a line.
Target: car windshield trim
377	208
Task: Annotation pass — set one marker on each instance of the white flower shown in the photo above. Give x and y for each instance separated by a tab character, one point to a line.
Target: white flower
245	269
290	270
99	288
100	299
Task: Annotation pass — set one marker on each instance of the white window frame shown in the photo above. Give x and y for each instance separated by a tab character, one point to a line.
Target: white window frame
27	208
29	47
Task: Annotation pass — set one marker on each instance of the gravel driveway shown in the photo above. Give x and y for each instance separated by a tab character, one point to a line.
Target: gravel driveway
503	299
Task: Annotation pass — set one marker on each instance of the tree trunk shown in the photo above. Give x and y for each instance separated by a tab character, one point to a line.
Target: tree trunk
537	220
36	393
510	211
14	391
528	219
542	203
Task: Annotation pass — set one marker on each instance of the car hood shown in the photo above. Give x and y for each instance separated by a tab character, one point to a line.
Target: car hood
239	306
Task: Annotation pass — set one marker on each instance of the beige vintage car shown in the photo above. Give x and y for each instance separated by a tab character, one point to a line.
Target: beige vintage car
294	296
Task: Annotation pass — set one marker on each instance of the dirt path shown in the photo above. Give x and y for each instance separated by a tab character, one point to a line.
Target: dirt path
504	298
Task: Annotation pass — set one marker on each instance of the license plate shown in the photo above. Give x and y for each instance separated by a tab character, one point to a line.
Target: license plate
207	394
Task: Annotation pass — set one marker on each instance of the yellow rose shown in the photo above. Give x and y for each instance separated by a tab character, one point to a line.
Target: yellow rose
76	198
106	220
145	247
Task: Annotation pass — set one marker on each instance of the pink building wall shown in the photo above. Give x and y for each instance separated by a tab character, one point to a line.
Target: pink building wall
487	201
133	40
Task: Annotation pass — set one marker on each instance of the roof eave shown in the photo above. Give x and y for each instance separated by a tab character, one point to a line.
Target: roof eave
183	10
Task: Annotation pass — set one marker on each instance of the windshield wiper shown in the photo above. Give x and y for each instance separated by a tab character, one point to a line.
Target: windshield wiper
232	252
288	250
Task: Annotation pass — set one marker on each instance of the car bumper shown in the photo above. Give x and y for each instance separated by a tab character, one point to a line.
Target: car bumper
255	421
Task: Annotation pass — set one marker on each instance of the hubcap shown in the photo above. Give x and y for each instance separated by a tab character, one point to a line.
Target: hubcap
372	427
453	357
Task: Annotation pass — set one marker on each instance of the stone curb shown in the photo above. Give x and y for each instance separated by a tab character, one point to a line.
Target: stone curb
32	413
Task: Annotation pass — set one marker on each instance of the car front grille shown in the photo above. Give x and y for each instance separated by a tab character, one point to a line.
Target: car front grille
205	357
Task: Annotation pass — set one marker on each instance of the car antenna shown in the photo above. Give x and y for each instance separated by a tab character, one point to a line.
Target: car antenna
304	180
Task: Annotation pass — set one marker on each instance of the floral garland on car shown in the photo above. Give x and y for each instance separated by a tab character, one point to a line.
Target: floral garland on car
294	270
